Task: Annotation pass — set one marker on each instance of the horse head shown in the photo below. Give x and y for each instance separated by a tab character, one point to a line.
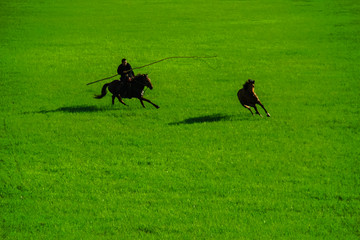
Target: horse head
249	84
147	81
143	79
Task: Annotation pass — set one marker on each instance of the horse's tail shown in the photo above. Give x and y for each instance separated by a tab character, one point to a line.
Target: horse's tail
103	91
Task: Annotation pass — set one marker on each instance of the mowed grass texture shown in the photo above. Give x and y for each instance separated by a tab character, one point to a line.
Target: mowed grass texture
200	167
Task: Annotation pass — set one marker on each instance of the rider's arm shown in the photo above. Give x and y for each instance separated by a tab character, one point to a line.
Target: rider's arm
120	70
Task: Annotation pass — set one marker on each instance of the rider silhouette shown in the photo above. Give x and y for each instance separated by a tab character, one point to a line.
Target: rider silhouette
126	74
125	71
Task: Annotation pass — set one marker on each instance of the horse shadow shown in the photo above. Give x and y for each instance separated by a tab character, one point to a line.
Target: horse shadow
207	119
218	117
74	109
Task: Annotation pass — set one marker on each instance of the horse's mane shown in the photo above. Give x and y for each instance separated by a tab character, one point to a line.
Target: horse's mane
139	75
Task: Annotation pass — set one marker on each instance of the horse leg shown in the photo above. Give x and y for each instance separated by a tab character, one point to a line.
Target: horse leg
256	110
141	101
147	100
113	99
247	107
267	114
120	99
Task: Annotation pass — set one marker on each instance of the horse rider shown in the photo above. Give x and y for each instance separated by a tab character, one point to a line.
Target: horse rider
125	71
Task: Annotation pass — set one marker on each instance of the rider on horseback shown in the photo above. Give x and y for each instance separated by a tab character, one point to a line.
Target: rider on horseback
126	73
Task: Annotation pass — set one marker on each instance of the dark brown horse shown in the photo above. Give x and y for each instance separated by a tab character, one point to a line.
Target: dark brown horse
248	97
133	89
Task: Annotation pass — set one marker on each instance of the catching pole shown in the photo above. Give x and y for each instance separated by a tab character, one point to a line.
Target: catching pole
152	64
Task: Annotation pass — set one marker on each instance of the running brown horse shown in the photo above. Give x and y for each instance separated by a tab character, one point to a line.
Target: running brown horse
248	97
133	89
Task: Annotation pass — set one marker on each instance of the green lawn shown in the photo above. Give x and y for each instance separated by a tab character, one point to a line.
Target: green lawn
201	166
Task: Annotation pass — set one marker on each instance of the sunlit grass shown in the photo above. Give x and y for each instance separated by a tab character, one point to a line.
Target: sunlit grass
75	167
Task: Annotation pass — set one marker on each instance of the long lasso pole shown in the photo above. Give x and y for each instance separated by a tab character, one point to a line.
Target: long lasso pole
152	64
167	59
101	79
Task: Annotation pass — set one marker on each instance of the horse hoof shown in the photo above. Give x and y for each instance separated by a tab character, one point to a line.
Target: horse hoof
268	114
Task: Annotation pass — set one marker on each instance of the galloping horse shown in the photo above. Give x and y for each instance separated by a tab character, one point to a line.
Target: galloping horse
248	97
134	89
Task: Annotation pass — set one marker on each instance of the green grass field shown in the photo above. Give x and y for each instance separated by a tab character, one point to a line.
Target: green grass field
201	166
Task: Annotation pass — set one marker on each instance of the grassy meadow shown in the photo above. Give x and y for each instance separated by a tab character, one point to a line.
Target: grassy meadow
201	166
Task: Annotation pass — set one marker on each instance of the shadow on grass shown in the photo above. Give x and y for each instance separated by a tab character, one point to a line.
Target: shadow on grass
208	119
75	109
